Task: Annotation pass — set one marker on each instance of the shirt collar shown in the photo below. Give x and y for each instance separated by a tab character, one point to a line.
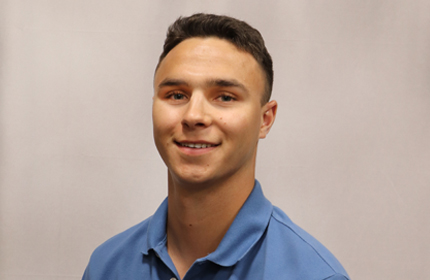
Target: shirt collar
156	234
246	229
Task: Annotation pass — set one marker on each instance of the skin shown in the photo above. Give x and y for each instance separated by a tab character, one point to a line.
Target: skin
207	93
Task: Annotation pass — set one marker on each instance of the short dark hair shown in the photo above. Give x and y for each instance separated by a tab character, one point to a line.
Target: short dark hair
237	32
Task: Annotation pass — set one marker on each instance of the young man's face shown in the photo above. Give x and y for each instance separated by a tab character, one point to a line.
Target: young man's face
207	111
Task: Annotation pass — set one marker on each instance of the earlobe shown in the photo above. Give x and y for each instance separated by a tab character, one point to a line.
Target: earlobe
268	118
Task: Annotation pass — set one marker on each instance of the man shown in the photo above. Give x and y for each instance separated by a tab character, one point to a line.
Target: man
211	105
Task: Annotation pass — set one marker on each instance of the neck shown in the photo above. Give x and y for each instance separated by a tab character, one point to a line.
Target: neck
199	217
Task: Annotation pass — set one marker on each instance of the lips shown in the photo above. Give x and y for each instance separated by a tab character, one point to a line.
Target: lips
196	145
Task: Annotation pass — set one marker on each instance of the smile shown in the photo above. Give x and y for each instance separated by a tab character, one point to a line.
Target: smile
196	145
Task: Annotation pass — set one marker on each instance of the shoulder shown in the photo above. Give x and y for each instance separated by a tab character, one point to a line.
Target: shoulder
293	243
118	251
337	276
133	236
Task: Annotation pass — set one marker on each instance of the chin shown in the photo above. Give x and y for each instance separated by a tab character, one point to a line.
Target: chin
197	179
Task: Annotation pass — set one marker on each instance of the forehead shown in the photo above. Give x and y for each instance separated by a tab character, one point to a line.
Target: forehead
210	58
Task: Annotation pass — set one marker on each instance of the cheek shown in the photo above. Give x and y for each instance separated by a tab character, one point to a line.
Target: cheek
244	126
163	120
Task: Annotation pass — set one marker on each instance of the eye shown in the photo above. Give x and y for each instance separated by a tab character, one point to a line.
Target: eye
176	96
226	98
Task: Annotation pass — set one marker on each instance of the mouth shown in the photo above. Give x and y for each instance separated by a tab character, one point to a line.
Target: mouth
196	145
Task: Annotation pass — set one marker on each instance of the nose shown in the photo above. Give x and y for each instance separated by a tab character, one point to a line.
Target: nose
196	112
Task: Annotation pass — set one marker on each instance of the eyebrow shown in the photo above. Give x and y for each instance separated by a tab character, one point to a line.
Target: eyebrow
209	83
226	83
172	82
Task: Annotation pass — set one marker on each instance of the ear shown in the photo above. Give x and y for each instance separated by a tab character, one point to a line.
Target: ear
268	117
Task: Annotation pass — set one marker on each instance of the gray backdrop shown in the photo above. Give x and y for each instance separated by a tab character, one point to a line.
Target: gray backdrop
348	158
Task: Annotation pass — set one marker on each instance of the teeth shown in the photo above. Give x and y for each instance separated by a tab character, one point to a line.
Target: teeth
196	146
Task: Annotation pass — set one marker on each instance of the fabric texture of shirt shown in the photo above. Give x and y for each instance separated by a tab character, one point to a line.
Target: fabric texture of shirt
262	243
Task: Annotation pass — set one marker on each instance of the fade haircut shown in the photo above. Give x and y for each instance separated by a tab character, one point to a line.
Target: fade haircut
239	33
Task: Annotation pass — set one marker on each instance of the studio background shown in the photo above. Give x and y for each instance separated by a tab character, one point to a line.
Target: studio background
348	158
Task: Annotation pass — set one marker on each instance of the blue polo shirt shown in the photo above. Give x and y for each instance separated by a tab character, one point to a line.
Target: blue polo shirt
262	243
